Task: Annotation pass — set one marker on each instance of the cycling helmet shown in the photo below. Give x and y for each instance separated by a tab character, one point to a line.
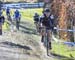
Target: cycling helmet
46	10
36	13
17	10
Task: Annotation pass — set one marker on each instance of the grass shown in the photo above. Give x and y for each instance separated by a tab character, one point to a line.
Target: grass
29	13
5	26
63	50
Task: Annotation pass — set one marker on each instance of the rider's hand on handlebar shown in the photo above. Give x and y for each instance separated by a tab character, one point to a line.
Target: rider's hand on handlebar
55	27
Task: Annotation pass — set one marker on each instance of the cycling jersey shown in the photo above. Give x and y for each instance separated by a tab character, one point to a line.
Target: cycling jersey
36	18
0	12
17	17
17	14
48	22
2	18
8	11
41	18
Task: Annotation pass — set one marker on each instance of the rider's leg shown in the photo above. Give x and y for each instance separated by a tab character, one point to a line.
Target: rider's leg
8	17
17	24
38	27
50	38
43	34
35	25
0	28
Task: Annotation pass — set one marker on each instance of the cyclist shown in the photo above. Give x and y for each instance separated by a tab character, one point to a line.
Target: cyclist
2	19
7	11
17	17
8	14
0	12
47	21
36	21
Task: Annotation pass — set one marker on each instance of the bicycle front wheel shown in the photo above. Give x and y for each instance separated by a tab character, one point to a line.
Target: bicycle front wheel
47	46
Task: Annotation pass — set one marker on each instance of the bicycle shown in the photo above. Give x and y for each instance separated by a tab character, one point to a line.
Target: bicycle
9	18
17	23
46	40
37	26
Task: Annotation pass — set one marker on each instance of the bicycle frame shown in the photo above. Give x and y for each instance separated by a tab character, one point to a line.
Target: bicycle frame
9	18
46	41
17	23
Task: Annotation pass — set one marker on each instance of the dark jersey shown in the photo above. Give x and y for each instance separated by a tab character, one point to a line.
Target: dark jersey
8	11
36	18
48	22
2	18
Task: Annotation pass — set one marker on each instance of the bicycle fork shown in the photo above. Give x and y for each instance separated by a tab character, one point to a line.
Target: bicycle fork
47	44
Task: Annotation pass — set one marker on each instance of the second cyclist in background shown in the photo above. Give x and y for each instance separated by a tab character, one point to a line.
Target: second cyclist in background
17	17
8	14
48	23
36	21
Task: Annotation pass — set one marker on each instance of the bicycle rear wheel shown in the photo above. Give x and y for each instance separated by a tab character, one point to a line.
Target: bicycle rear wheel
47	46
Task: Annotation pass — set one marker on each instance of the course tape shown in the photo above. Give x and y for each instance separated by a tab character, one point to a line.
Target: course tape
68	30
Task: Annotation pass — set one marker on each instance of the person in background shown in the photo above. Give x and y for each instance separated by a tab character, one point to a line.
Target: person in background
8	11
2	20
36	21
47	21
17	17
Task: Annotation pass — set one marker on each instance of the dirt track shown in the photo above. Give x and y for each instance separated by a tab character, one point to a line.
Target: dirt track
22	45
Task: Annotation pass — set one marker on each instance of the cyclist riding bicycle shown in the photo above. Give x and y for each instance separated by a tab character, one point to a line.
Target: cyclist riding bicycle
17	17
7	11
2	20
36	21
8	14
47	21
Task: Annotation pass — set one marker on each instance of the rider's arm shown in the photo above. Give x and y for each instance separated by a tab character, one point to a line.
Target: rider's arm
3	19
13	17
55	23
53	20
34	18
19	15
40	21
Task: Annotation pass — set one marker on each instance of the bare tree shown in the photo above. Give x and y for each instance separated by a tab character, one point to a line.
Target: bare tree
64	10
